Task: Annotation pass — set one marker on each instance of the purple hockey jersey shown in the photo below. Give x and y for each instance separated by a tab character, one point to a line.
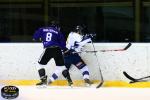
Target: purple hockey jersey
50	36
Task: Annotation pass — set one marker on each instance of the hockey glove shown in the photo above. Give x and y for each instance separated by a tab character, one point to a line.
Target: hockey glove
76	44
87	36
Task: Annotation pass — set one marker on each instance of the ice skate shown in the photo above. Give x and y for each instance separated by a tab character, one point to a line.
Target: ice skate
43	82
87	82
70	83
49	82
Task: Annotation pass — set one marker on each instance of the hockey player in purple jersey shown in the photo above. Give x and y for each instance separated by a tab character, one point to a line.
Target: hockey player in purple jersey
53	43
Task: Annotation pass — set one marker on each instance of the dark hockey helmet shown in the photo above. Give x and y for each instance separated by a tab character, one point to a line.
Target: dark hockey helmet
55	24
78	28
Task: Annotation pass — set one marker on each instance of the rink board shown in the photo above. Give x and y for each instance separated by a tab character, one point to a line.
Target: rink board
18	66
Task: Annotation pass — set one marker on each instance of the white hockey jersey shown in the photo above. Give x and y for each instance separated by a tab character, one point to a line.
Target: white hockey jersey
73	38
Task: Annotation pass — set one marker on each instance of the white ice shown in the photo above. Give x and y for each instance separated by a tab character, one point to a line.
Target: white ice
81	93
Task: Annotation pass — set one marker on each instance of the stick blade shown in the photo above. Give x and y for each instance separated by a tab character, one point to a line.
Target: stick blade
128	76
100	84
134	80
127	46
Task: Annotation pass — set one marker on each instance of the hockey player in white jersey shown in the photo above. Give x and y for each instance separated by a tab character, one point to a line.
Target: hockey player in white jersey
75	43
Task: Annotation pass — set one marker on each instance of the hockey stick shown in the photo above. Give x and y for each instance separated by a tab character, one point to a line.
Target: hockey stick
102	80
123	49
134	80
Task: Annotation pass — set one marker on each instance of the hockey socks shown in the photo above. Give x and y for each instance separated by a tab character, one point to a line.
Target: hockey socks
85	72
56	73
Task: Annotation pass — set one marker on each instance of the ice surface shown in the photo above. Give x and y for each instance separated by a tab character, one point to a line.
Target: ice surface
81	93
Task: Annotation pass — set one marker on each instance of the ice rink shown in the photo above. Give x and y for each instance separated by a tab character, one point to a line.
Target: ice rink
81	93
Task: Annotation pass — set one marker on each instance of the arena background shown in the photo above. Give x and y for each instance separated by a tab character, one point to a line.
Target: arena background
115	23
111	20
